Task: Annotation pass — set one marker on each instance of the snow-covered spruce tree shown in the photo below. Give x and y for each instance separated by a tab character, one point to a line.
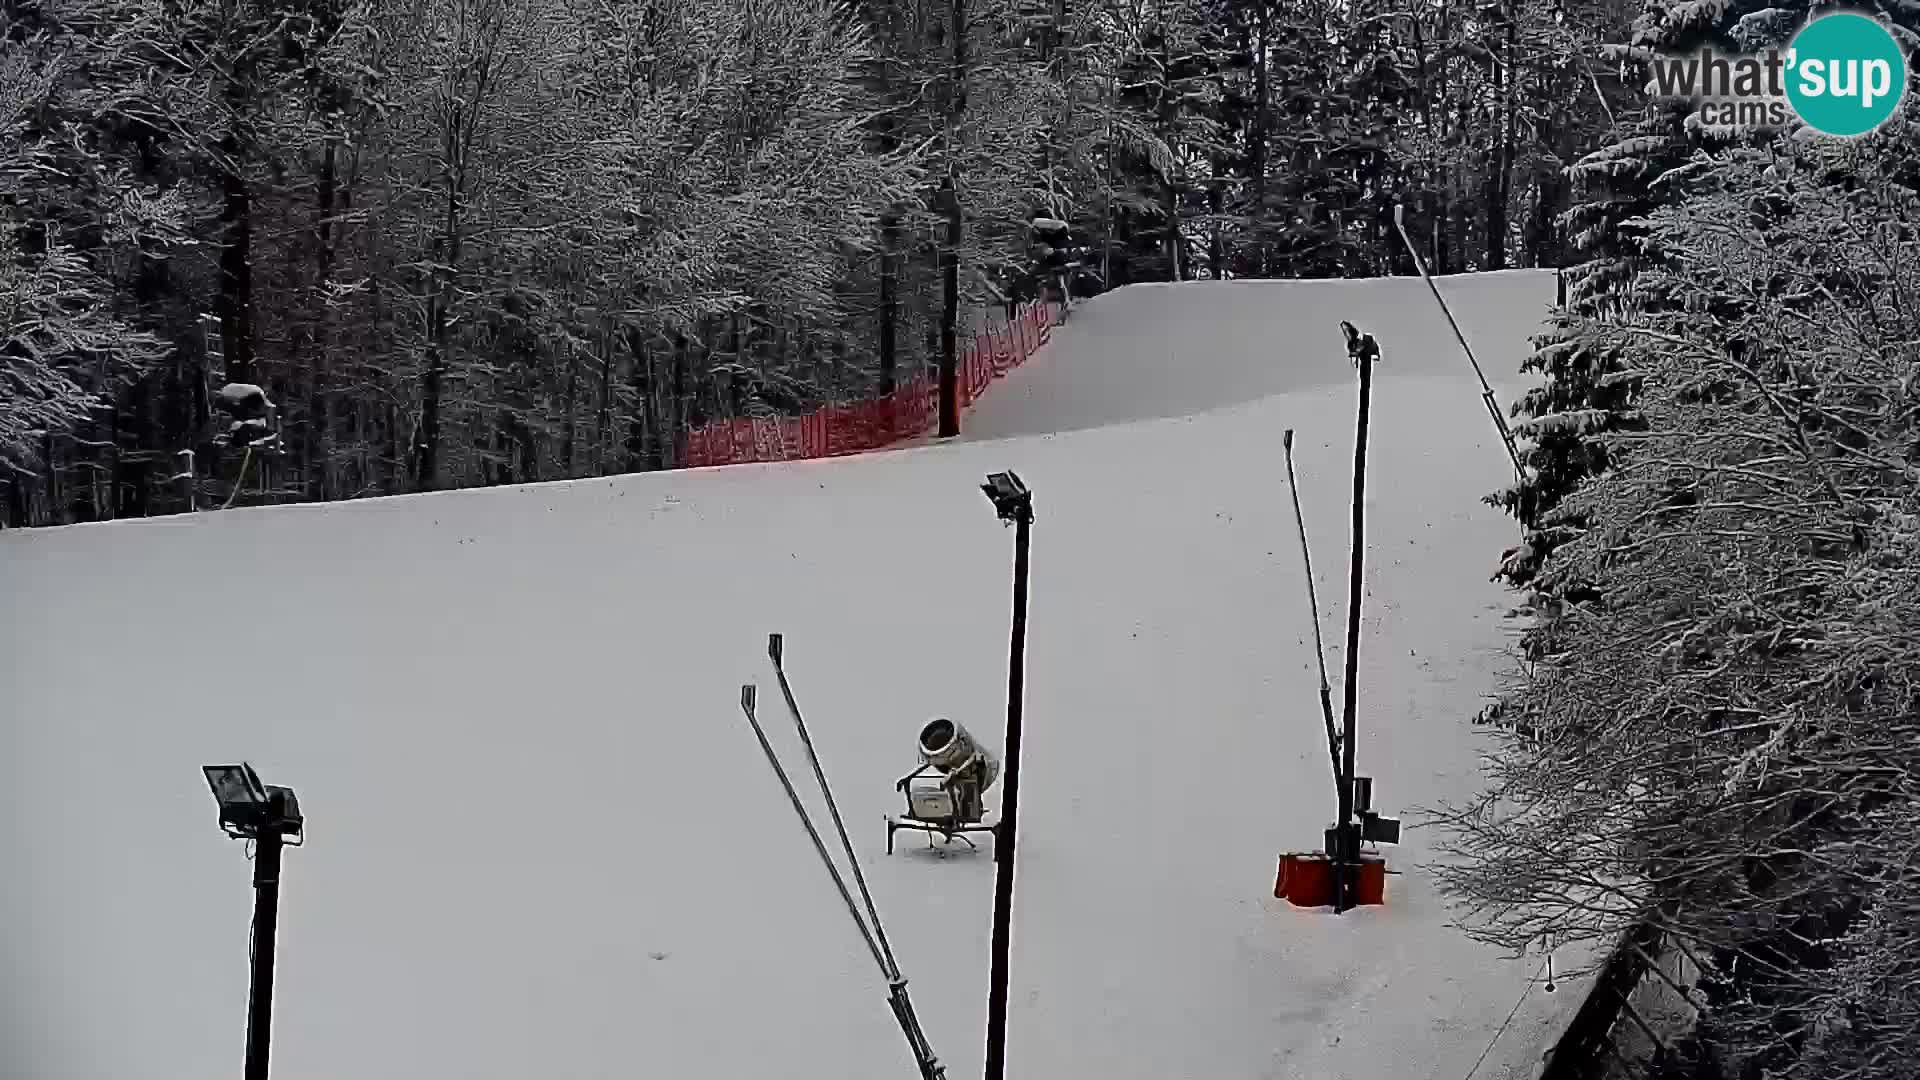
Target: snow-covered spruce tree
1721	744
1587	389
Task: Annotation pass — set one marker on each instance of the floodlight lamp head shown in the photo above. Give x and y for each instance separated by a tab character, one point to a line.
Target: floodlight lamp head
250	809
1360	346
1009	495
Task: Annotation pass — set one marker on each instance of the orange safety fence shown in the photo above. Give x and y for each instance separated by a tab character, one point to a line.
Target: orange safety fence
859	426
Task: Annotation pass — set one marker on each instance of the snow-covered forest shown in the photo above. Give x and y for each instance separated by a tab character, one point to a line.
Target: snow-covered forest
466	242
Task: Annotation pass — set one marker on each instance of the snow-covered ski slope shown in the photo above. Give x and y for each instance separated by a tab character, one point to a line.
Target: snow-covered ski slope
543	843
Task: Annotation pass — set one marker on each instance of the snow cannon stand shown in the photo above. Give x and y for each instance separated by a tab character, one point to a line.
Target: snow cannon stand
1306	879
944	794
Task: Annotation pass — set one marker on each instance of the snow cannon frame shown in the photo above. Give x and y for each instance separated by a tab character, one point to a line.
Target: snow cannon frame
944	795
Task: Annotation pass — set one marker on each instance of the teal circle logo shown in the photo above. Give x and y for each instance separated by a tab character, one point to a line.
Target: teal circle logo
1845	74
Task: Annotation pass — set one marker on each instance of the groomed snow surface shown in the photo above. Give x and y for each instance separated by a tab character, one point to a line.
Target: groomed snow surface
543	843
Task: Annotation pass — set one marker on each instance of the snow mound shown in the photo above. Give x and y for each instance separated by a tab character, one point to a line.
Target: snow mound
1151	351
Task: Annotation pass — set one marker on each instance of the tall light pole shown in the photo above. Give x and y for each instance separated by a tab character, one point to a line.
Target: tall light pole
1363	351
268	815
1014	503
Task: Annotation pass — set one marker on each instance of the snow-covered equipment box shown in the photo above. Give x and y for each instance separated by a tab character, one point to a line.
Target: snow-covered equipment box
944	795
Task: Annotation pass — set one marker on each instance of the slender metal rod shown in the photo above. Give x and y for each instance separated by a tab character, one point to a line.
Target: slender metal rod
775	653
1364	351
897	999
1313	608
819	846
1486	389
1006	833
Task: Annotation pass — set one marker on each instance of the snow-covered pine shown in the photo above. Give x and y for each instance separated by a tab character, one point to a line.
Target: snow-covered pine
1571	422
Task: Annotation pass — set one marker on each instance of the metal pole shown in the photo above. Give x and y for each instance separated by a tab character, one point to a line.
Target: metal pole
775	652
1313	608
266	919
1486	389
1364	351
897	998
819	846
1006	834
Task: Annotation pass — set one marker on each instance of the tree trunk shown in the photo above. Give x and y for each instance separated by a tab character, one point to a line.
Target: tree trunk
1498	185
950	316
439	319
950	251
234	305
636	429
889	305
569	407
318	438
682	360
1216	205
603	419
1257	144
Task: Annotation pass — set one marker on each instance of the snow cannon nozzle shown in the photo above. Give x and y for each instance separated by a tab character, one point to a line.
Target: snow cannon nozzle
746	696
774	649
951	749
1286	440
1399	214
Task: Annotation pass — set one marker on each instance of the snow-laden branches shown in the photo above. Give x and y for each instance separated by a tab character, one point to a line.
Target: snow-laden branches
1725	708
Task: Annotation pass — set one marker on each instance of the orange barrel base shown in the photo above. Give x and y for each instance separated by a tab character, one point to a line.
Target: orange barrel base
1305	879
1372	886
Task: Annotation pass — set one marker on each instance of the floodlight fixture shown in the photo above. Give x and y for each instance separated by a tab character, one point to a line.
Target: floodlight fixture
250	809
269	816
1010	497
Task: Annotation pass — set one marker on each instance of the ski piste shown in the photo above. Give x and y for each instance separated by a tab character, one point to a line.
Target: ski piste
871	929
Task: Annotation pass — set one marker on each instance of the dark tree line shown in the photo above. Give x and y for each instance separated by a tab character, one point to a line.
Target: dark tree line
461	242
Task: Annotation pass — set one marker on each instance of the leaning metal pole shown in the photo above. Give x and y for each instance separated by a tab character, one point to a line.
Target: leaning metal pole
747	706
1313	609
930	1069
1364	351
1007	831
776	653
1486	389
902	1005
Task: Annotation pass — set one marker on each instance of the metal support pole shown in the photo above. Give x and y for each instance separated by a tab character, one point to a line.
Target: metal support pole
1364	351
897	999
1486	389
1313	609
266	919
776	653
1006	834
748	707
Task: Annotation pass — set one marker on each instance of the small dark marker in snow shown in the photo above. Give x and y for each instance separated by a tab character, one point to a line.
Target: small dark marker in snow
656	956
